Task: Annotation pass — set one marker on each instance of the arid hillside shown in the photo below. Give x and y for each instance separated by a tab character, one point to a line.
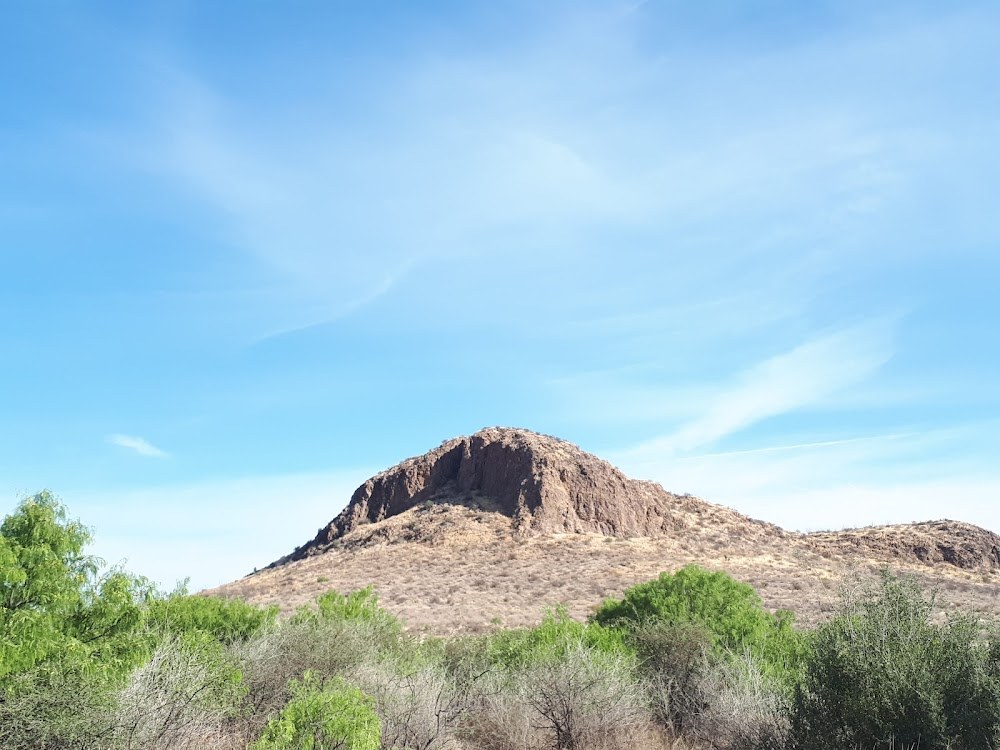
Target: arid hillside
491	529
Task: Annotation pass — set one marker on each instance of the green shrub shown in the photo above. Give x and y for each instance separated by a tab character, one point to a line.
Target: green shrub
226	620
323	716
731	612
360	606
56	609
331	638
881	673
551	640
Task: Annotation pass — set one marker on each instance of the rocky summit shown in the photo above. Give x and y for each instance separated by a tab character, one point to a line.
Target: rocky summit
543	484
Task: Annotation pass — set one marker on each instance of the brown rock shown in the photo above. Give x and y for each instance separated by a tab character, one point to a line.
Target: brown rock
543	484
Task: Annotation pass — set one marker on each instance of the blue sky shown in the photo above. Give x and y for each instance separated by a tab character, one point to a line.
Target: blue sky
252	254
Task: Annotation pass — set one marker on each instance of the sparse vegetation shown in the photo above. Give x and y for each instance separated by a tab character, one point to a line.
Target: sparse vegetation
103	661
528	573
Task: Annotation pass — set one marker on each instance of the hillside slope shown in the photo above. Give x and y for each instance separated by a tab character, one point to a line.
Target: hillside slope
495	527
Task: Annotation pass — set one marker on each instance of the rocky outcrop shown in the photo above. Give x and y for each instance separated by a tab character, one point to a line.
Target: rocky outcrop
543	484
535	485
951	542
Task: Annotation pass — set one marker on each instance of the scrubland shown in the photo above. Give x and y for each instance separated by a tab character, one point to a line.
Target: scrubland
689	659
449	569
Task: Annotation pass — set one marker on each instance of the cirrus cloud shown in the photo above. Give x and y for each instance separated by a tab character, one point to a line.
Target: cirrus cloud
140	445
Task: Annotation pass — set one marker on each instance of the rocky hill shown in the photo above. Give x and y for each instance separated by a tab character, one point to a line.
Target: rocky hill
496	526
543	484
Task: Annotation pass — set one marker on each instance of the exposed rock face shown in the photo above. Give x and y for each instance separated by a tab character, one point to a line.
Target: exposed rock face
533	485
545	485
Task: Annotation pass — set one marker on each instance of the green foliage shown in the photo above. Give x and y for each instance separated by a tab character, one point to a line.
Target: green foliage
55	605
881	672
360	606
731	612
323	716
226	620
556	636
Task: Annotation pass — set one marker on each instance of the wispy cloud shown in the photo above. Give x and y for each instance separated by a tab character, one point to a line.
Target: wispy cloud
788	381
512	154
798	378
139	445
342	310
869	479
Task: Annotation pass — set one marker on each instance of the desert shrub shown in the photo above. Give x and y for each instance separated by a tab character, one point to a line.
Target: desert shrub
416	698
462	654
731	612
882	673
584	700
563	684
322	715
184	695
331	638
419	708
55	709
226	620
499	719
673	661
271	660
723	701
743	707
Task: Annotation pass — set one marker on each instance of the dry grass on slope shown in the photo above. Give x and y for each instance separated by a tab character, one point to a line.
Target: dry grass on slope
450	569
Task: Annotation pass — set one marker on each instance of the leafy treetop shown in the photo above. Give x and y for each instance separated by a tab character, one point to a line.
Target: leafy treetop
56	604
731	612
